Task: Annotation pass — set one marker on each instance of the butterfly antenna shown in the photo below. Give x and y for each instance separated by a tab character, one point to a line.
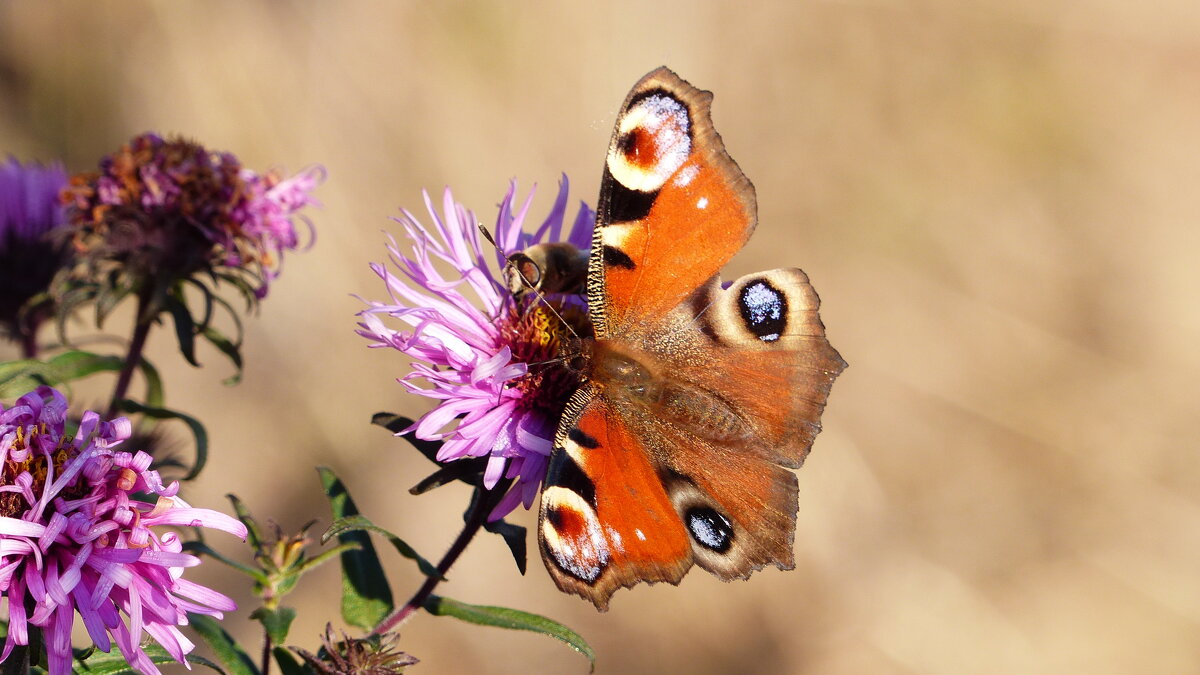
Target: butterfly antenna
509	265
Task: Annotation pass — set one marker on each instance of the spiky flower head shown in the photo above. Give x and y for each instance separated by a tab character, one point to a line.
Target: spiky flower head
490	358
29	259
78	535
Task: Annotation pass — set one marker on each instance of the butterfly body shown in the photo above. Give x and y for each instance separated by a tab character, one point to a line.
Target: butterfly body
694	395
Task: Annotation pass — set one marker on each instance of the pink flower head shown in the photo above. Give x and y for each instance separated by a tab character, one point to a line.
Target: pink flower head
488	358
77	537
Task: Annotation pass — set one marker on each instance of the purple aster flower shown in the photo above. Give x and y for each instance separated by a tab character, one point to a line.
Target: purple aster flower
490	359
29	209
76	536
160	210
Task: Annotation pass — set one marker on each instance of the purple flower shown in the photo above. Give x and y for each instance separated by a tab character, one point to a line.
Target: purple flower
76	536
165	209
29	209
490	359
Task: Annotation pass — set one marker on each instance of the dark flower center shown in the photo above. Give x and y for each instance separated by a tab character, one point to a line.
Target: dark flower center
541	333
14	504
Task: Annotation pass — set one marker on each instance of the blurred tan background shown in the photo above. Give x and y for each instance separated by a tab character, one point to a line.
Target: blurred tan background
997	201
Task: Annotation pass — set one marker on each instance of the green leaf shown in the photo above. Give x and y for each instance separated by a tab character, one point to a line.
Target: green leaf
228	652
359	522
467	470
185	328
253	534
366	595
228	348
194	424
288	665
277	622
113	662
199	548
513	619
514	536
21	377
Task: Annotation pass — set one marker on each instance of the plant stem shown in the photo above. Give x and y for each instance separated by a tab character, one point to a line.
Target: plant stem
29	345
141	330
266	654
484	502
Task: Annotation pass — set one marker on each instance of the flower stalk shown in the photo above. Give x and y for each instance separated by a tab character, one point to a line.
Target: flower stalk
477	514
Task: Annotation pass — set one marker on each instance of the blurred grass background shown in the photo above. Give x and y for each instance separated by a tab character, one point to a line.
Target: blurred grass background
997	202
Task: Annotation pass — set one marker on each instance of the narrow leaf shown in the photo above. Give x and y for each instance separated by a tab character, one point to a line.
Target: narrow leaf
366	595
113	663
513	619
514	536
185	328
228	652
253	534
359	522
228	348
199	548
288	665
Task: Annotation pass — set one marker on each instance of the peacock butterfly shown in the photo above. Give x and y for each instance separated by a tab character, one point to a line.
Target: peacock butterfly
695	397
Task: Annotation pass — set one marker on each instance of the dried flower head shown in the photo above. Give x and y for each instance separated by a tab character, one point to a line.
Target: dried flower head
78	535
373	655
162	210
491	360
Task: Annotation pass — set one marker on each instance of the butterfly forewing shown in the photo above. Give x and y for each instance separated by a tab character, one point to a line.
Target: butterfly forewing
674	207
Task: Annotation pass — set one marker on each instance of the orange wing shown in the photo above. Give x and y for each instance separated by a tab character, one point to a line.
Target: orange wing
612	524
673	209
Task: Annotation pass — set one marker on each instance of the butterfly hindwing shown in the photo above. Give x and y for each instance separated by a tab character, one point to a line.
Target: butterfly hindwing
606	520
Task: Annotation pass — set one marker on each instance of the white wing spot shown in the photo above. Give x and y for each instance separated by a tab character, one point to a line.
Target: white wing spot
687	175
702	203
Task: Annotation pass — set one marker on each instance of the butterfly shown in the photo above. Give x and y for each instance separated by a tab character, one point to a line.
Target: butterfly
696	398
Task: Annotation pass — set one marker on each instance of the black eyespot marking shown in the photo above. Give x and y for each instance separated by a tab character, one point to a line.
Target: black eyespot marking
764	310
564	472
582	439
708	527
555	516
615	257
625	204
